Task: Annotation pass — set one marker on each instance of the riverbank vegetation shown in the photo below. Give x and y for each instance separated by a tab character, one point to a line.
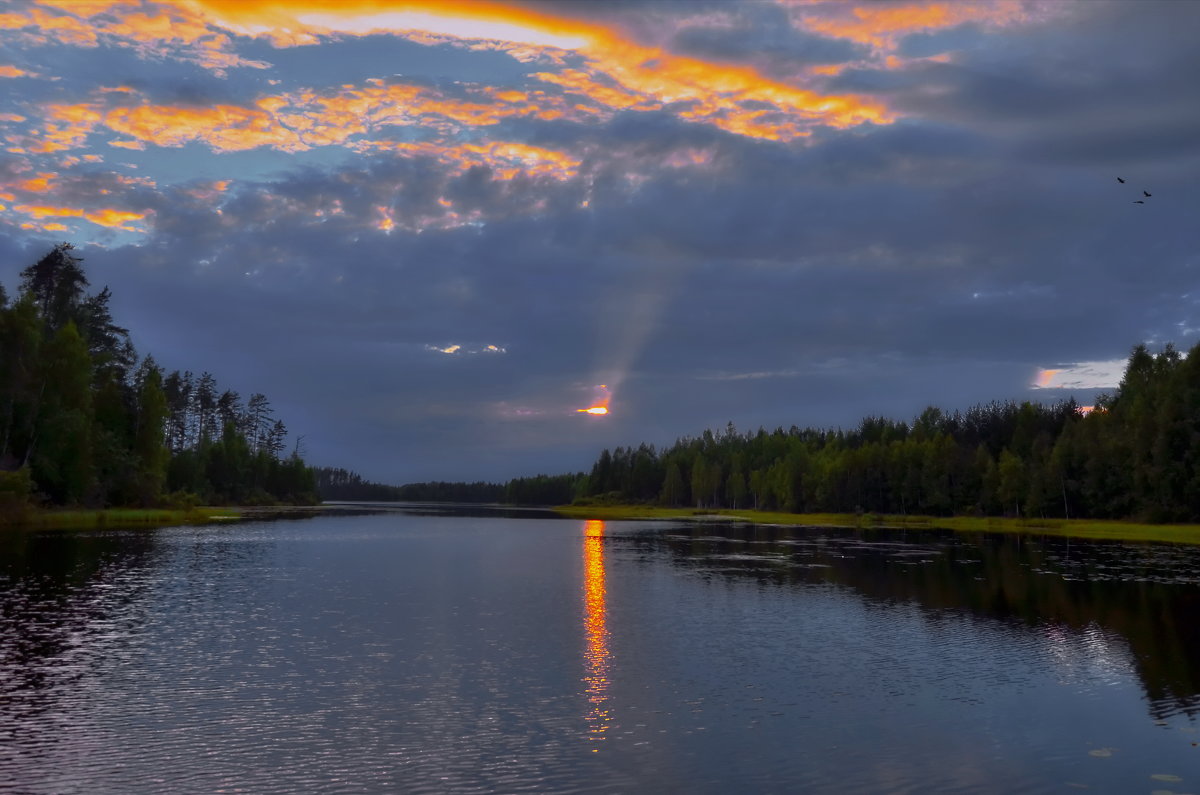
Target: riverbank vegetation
96	518
85	422
1097	529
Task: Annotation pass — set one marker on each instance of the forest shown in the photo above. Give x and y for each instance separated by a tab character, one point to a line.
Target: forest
85	422
1136	454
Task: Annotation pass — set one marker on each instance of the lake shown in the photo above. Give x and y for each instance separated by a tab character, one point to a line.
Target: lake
431	650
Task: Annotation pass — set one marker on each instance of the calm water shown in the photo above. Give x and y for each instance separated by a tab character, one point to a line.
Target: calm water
423	652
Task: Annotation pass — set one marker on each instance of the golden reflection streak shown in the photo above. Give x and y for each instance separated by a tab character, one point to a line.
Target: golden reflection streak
595	626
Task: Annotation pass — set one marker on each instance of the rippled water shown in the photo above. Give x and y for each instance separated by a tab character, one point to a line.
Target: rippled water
420	651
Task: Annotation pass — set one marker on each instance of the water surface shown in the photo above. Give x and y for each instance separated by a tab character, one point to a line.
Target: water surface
423	651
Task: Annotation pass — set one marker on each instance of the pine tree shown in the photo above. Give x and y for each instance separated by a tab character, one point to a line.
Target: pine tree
149	449
56	284
62	452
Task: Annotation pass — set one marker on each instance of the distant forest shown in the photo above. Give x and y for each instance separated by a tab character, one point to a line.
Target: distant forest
1135	455
84	422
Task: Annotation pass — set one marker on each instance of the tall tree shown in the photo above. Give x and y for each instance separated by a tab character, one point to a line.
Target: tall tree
62	460
56	283
21	383
149	448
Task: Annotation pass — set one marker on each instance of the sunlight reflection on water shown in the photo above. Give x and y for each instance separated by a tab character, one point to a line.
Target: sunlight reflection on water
596	654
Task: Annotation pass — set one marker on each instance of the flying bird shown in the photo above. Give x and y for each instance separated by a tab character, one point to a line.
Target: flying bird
1144	193
1139	201
1120	180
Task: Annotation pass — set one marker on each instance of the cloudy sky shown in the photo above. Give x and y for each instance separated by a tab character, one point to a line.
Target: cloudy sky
429	231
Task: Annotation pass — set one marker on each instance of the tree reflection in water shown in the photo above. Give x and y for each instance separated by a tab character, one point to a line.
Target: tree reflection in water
1148	594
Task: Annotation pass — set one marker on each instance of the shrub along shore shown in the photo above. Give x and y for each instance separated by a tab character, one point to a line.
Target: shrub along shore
95	518
1066	528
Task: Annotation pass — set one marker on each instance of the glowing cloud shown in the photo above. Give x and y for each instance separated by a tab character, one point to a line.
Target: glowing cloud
1084	375
457	349
880	24
178	30
619	72
101	217
450	25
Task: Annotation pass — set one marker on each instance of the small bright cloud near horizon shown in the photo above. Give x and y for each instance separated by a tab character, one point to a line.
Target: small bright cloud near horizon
427	230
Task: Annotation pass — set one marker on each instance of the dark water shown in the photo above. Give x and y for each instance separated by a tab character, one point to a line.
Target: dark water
420	652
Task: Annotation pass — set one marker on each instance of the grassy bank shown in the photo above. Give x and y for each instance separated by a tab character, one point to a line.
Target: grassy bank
1067	528
88	519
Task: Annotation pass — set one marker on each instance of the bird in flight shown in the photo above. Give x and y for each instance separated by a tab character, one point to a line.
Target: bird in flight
1139	201
1120	180
1146	194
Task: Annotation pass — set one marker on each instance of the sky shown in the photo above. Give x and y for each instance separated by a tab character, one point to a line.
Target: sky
430	231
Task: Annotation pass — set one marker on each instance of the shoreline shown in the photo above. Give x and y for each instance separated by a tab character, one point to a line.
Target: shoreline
1090	529
95	518
134	518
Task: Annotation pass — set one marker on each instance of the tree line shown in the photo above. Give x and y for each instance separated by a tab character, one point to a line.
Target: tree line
343	484
84	421
1135	455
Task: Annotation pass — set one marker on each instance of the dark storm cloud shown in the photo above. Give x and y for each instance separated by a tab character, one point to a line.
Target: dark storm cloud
1100	84
927	43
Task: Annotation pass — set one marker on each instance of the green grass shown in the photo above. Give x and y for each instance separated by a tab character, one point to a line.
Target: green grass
1067	528
88	519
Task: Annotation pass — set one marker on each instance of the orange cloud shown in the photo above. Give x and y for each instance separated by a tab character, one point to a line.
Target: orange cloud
289	122
208	191
385	221
1045	377
103	217
880	25
14	21
110	218
66	127
621	74
225	128
42	27
43	211
85	8
38	184
618	73
175	30
12	71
